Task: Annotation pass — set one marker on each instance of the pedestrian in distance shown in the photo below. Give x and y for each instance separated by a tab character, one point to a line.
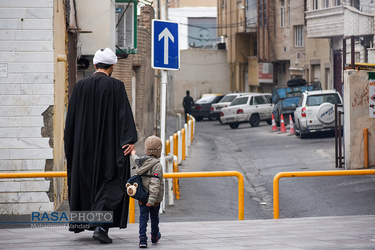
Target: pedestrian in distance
187	103
153	183
100	134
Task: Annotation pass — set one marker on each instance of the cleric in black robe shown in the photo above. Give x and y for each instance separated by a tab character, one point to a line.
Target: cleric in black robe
99	133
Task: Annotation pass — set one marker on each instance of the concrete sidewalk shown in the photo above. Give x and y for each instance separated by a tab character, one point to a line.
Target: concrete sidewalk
351	232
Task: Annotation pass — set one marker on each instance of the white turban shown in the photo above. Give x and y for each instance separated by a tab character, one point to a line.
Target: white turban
105	56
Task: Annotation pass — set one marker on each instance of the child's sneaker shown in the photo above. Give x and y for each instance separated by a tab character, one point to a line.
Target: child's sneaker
155	240
142	242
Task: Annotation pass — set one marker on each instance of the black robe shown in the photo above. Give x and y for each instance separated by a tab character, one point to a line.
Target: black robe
98	123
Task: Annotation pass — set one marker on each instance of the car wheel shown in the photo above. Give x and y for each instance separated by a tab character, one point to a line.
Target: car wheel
234	125
254	120
301	134
220	121
296	129
277	121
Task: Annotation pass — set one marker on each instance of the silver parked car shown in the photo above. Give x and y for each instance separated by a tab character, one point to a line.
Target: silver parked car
316	111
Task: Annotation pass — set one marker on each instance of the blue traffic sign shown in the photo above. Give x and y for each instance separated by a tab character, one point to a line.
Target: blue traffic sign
165	52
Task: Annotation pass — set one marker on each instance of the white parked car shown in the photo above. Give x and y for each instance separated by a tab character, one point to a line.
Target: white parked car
223	103
316	111
251	108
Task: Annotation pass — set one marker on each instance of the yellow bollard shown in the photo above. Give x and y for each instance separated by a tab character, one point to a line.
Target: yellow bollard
183	144
175	144
192	130
365	135
176	182
167	147
131	210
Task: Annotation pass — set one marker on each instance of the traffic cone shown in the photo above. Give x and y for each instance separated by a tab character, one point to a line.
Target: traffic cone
274	127
291	124
282	124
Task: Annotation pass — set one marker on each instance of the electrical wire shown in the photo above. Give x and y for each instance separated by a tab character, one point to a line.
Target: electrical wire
234	25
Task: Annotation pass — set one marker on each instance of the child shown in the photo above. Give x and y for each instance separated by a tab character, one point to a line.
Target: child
150	165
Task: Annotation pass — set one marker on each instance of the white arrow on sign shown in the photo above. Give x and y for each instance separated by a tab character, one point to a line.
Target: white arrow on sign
166	34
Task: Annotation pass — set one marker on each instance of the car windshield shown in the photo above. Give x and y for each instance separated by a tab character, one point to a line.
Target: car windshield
206	99
291	92
239	101
228	98
316	100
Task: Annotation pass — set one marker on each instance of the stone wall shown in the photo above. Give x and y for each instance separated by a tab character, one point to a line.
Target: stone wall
26	95
356	118
371	55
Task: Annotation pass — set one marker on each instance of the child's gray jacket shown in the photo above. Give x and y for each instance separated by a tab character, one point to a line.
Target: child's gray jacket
153	185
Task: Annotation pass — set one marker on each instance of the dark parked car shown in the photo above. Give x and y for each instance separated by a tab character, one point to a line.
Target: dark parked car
202	107
286	99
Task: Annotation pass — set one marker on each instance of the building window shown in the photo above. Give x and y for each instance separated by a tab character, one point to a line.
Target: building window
202	33
282	13
260	16
265	12
337	2
125	19
325	3
298	36
288	13
355	4
315	4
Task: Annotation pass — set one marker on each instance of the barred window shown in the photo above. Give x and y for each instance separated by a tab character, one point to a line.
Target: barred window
288	13
315	4
298	36
282	13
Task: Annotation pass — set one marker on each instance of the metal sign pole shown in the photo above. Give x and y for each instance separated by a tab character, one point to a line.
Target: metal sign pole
163	112
165	56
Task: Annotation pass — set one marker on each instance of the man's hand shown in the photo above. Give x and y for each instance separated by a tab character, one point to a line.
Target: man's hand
155	205
128	148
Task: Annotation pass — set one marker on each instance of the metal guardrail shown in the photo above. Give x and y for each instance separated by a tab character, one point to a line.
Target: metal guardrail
165	175
276	205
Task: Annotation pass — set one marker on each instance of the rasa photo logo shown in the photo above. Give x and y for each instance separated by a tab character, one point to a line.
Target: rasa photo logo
62	218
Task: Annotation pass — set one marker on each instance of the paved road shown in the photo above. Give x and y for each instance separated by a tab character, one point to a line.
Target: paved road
259	155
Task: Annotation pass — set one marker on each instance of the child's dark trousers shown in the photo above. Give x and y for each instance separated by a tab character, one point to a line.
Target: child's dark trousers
145	211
